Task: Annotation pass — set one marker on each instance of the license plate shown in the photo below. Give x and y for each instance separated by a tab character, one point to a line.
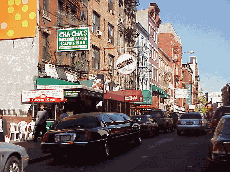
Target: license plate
65	138
189	123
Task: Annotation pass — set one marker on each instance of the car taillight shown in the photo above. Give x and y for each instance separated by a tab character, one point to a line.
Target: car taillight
45	137
178	122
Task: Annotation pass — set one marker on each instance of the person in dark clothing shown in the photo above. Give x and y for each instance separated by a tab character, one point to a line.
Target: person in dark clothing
40	124
3	128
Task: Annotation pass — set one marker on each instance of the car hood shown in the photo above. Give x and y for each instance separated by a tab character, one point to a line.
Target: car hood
10	147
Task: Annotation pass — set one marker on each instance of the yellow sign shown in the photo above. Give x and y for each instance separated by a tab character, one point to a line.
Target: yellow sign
17	18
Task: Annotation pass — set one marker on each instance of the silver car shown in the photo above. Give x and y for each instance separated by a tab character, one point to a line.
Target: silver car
12	157
192	121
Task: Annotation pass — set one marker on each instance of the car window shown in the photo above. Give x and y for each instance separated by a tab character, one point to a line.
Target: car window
220	127
191	116
105	118
79	122
126	117
116	117
156	114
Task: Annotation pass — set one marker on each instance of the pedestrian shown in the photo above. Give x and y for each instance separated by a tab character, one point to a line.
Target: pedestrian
40	124
3	128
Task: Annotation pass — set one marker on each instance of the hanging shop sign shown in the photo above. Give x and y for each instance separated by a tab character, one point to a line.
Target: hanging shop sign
42	96
71	93
73	39
126	64
181	93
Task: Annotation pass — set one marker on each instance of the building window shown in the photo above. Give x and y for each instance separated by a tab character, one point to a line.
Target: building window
111	33
96	22
110	5
45	47
46	7
111	64
96	58
60	12
73	9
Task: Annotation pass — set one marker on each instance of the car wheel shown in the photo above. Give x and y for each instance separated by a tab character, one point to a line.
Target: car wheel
13	164
178	132
138	140
107	149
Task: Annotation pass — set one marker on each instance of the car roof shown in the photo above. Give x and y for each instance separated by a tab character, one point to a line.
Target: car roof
226	116
93	114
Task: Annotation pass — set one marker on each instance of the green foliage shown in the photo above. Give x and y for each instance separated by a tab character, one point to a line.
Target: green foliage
202	105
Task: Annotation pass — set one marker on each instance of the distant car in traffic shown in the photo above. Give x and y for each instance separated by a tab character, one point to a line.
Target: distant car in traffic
163	119
174	116
91	132
219	146
192	121
221	111
148	125
12	157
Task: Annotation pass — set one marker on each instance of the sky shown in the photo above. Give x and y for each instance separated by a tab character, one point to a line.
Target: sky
204	27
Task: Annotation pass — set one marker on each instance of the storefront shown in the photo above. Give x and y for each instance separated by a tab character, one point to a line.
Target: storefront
79	98
122	100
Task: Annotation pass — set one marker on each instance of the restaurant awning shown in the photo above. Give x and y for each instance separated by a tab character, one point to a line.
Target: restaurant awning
147	98
157	89
52	83
125	95
165	95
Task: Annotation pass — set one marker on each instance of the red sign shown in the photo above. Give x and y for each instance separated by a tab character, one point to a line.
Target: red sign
44	99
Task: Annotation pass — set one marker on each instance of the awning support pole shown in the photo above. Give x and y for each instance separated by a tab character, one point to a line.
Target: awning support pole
55	113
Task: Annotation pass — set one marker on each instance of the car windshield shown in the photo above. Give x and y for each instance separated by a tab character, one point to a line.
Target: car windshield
79	122
191	116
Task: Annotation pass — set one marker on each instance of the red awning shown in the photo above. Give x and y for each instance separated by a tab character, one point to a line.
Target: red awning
125	95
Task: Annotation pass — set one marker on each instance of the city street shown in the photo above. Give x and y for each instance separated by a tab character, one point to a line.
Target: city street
166	152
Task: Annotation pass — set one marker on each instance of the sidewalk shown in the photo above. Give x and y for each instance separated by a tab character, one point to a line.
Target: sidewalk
33	149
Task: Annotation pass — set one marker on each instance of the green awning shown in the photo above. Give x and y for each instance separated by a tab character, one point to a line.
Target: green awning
87	83
165	95
147	98
157	89
53	81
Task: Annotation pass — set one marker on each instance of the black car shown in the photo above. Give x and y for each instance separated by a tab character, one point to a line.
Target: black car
221	111
219	145
163	119
174	116
92	132
148	125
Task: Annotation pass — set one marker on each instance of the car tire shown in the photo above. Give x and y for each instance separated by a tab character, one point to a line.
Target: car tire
13	164
178	133
137	140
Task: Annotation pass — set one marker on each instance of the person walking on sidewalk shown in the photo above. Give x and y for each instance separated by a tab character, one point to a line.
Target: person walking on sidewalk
40	124
3	128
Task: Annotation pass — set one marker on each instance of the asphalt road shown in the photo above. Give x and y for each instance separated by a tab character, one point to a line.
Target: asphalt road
164	153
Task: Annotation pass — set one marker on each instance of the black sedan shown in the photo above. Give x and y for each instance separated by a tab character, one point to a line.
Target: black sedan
219	146
148	126
92	132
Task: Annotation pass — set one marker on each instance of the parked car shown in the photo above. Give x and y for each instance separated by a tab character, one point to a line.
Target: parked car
221	111
148	125
163	119
175	117
13	157
92	132
219	145
192	121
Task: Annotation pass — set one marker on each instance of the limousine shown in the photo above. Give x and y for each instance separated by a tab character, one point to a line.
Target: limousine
96	131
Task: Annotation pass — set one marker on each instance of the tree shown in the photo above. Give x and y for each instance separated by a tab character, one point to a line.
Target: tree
202	102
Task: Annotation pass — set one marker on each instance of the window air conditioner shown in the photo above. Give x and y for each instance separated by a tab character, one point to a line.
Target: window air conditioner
109	40
111	11
99	33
